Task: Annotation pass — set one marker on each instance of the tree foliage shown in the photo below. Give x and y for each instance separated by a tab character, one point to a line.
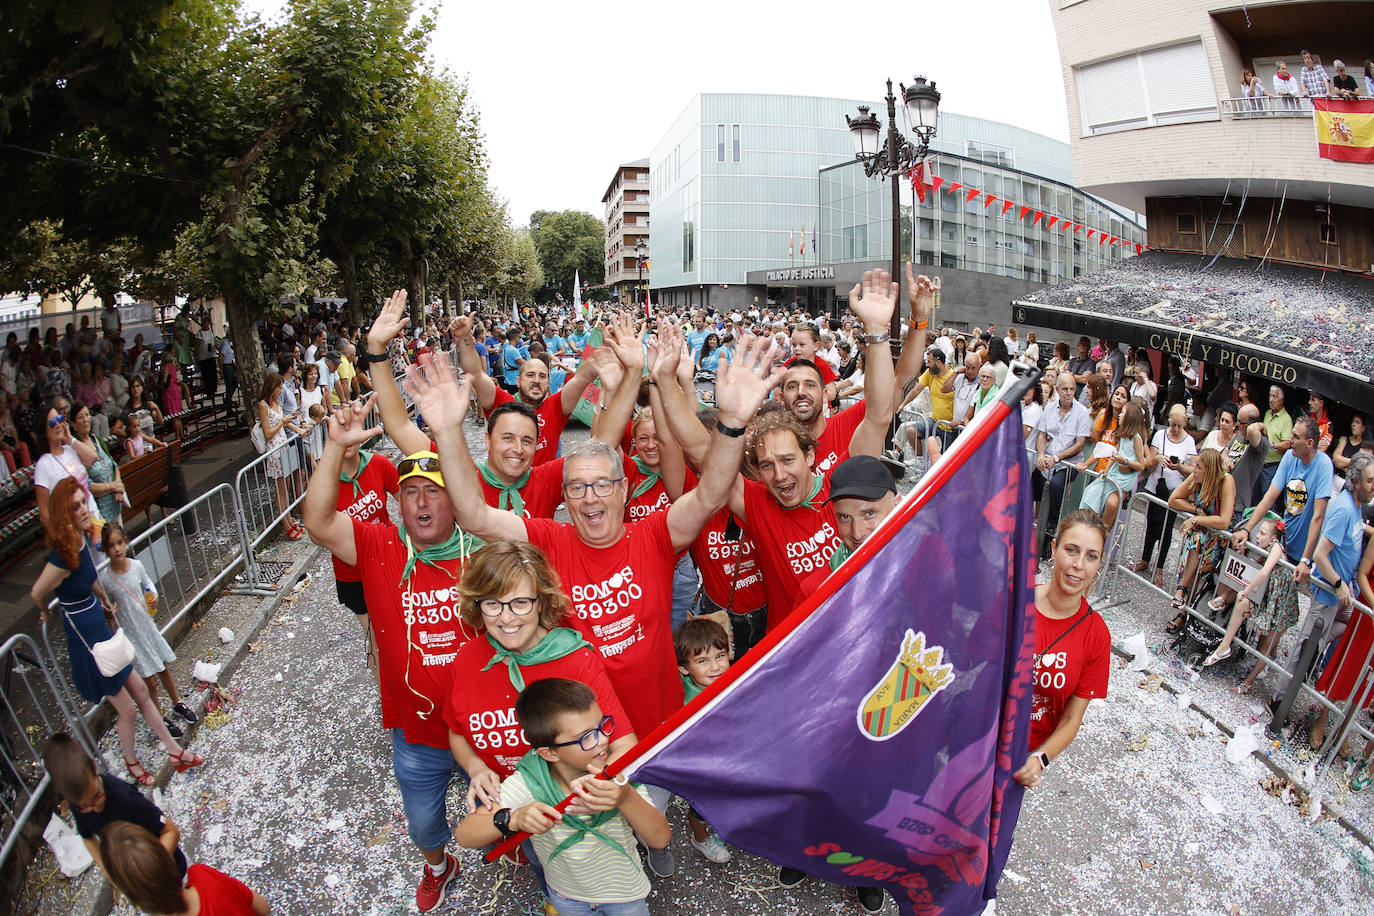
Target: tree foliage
569	243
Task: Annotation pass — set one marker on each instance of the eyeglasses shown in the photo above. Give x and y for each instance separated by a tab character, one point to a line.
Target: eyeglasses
603	487
88	807
588	740
410	465
494	607
53	421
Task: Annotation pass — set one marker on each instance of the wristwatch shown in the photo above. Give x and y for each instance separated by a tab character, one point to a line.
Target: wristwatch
1305	561
1044	760
874	339
501	821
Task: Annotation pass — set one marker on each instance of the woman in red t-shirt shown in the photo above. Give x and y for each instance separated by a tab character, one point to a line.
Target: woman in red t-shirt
1072	648
509	590
145	871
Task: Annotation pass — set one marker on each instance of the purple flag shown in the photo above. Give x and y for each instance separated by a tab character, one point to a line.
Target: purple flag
874	741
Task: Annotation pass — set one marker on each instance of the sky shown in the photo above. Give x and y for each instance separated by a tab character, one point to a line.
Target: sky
567	91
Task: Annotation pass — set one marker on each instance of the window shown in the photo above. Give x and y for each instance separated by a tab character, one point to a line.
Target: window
1170	85
1328	234
689	253
735	145
1187	224
991	153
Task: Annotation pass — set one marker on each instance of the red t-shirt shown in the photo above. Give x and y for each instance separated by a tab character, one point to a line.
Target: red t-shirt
622	598
1078	667
220	894
551	423
377	479
638	508
727	566
418	632
481	704
832	446
792	543
542	493
828	375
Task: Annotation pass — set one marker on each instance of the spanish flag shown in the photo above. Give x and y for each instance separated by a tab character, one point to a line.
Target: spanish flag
1345	130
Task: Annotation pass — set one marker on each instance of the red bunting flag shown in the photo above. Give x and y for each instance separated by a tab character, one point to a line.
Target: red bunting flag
987	199
972	193
1101	238
1050	224
1090	232
936	181
954	186
1138	247
1069	227
1024	211
918	181
1039	215
1007	205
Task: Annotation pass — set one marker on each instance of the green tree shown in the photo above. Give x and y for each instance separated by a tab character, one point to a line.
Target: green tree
569	242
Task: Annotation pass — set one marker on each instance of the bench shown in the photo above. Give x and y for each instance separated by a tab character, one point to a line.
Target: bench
145	481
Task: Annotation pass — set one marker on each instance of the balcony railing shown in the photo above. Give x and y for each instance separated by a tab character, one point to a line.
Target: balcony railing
1267	107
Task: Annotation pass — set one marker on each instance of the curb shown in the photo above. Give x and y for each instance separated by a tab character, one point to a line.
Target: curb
103	903
1340	818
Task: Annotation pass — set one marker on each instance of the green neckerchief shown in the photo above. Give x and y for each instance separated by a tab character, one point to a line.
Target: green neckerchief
651	477
460	544
980	401
557	643
816	481
839	556
363	457
690	688
542	786
510	497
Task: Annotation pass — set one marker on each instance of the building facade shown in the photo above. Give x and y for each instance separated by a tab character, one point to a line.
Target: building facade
757	199
1159	123
627	224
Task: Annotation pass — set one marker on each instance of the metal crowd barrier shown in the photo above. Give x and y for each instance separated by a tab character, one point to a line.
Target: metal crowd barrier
40	710
264	503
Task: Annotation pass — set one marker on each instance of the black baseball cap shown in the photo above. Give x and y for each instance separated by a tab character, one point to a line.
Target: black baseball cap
861	477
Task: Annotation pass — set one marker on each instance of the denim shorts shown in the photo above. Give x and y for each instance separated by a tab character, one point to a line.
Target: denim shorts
566	906
424	774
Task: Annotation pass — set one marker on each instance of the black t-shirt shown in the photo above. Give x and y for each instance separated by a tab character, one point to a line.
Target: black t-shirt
1344	81
123	802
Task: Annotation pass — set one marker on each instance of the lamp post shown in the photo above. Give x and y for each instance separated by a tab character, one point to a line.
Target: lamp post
639	265
897	155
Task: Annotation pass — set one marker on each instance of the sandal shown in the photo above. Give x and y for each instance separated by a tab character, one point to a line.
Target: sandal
140	775
1216	656
1218	603
184	763
1158	578
1177	623
294	531
1140	567
1241	689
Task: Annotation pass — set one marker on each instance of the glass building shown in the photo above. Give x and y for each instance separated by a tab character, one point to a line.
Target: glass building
758	198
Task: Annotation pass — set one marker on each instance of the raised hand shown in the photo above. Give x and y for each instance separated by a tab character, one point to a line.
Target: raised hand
390	321
460	328
348	425
920	294
873	300
746	380
667	352
438	397
622	336
607	367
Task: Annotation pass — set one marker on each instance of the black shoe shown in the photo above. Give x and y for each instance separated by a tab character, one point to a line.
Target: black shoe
181	709
871	899
171	729
791	877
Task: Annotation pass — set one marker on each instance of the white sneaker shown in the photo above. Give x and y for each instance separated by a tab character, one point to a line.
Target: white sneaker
713	848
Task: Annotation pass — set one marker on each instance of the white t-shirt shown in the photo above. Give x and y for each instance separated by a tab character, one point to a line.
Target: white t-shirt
51	468
1170	449
1030	416
1013	346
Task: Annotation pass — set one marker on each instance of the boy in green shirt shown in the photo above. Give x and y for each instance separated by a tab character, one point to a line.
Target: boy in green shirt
703	654
588	852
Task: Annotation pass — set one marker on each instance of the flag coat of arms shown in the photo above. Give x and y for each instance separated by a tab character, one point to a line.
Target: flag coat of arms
871	737
1345	130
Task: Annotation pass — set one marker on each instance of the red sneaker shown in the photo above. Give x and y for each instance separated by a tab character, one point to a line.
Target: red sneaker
433	887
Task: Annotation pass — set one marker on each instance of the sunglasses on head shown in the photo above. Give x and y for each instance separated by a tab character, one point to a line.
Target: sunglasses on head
423	463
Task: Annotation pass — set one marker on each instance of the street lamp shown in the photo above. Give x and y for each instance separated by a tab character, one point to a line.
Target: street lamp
897	155
639	264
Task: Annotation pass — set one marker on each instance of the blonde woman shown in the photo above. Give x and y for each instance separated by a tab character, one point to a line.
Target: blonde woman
1209	494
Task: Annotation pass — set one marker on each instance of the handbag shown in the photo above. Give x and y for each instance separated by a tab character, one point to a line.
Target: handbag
111	655
258	437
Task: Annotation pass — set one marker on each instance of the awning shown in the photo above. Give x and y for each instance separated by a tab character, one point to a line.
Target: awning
1300	327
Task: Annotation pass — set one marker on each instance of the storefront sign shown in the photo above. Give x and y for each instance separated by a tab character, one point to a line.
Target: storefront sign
801	273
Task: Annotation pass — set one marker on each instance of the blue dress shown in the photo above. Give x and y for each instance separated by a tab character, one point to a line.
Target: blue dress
84	619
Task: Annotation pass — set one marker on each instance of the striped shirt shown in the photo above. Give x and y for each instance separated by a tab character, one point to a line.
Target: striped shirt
590	871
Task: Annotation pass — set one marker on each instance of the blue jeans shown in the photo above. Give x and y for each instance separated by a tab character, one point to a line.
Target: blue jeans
424	774
566	906
684	589
1263	482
